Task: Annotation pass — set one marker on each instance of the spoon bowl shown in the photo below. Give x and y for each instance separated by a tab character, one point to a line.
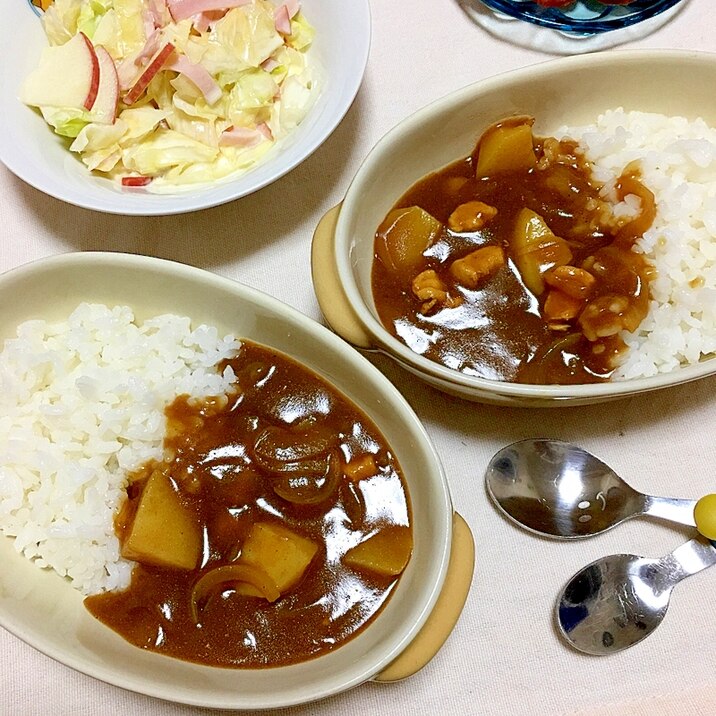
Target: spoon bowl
613	603
559	490
617	601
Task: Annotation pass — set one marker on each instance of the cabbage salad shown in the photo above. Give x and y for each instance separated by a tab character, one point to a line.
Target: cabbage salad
196	90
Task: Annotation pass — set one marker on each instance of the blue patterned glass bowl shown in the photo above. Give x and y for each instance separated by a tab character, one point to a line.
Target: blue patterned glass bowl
581	17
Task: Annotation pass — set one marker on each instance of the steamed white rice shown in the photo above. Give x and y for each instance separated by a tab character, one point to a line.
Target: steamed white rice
677	158
82	405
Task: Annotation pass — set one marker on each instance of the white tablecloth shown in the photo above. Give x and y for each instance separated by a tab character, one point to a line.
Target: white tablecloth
504	656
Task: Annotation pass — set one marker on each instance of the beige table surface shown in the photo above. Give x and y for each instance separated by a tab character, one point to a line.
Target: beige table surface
504	657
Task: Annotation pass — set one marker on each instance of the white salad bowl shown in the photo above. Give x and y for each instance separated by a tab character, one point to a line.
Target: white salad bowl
569	91
44	610
32	151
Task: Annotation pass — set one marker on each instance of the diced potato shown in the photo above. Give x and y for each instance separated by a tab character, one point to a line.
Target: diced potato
530	230
452	185
480	264
386	552
164	532
536	249
506	148
361	467
404	236
280	552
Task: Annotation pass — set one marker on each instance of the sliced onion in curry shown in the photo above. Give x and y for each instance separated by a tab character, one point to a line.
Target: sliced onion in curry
304	487
630	184
228	574
558	352
276	448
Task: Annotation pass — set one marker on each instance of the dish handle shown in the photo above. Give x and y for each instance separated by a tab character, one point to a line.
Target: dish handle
446	611
332	299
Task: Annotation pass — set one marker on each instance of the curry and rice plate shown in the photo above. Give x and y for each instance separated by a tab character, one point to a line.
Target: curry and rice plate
207	494
578	258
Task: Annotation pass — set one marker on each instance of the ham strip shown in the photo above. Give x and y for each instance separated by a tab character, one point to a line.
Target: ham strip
127	72
265	130
148	20
269	64
204	20
282	20
199	76
283	14
150	48
182	9
241	137
158	9
293	6
131	66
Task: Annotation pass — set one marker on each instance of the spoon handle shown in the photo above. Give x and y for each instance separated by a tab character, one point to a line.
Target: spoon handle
671	508
690	558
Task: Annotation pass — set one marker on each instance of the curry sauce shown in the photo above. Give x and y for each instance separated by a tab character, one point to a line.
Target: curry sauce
285	464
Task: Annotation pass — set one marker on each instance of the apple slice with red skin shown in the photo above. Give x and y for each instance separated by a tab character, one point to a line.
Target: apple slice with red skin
136	181
104	109
145	78
67	76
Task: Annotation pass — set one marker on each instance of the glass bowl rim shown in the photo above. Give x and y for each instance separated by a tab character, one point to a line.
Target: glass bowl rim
554	18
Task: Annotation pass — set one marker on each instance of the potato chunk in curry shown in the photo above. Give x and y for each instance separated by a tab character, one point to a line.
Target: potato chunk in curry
536	249
505	147
164	532
387	552
404	236
280	552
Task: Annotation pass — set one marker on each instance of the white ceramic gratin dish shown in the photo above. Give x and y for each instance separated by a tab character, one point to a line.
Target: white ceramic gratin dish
566	91
46	612
32	151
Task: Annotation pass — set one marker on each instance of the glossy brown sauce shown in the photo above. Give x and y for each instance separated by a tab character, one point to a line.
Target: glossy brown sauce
498	329
220	460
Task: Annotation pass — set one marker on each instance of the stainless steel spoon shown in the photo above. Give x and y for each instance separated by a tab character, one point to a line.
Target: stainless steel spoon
619	600
557	489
